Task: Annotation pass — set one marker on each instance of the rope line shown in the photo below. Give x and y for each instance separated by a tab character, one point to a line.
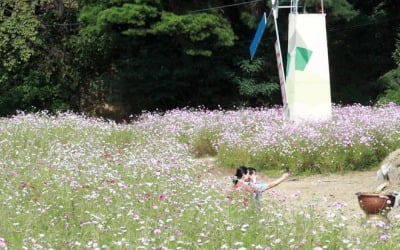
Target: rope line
363	24
225	6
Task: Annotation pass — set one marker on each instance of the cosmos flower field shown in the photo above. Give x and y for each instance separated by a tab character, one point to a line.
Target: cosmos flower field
73	182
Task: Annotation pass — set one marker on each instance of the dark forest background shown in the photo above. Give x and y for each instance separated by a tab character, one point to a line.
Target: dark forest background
114	58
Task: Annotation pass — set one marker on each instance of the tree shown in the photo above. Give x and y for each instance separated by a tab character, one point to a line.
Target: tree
38	68
391	80
158	55
396	53
154	54
18	37
360	50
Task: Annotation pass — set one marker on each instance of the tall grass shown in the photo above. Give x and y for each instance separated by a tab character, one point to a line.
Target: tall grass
72	182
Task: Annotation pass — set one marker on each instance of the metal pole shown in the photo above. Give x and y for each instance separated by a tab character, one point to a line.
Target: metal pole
293	4
322	6
280	57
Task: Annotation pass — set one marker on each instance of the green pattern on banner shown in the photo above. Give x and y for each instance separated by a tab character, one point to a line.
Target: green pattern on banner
288	63
302	57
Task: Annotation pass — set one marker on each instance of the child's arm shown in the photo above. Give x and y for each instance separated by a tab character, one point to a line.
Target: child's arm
248	188
278	181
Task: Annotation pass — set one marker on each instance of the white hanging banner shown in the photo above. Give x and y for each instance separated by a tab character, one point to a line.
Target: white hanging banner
307	70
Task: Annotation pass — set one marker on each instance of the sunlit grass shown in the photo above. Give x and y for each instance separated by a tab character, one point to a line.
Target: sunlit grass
72	182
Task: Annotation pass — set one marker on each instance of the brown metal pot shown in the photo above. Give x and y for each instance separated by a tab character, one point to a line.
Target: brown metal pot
376	206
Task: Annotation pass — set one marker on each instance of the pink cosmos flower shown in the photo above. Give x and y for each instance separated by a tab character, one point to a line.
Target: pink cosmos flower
162	197
3	243
339	204
157	231
384	237
147	196
107	156
177	232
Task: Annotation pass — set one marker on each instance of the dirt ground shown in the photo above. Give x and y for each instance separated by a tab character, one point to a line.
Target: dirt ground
326	192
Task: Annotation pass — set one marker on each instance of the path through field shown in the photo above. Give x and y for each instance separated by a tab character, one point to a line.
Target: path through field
331	193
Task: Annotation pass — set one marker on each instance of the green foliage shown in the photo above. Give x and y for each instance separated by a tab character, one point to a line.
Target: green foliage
171	82
339	9
251	83
18	36
303	156
123	137
164	62
249	20
204	144
358	157
396	53
350	41
391	83
143	19
134	16
232	157
152	54
46	75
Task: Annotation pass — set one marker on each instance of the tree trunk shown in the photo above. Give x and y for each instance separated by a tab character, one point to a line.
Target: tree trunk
60	8
172	5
